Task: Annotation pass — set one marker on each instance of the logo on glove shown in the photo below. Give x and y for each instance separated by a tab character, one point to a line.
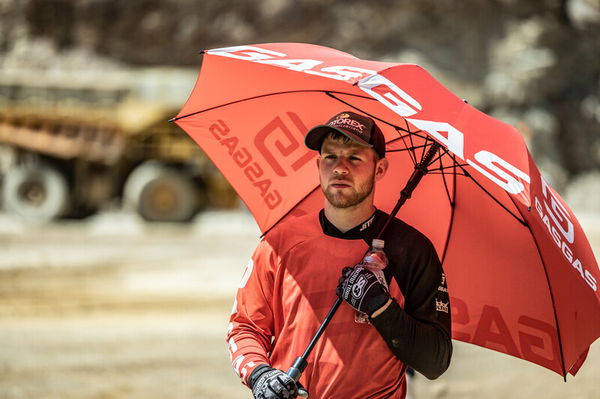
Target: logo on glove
359	286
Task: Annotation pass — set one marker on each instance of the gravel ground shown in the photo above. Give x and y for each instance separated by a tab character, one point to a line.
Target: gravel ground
115	308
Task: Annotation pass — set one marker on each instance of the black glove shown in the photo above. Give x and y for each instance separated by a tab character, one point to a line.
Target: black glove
362	289
269	383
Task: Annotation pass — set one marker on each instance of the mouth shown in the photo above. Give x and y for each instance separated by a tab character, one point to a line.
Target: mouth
339	184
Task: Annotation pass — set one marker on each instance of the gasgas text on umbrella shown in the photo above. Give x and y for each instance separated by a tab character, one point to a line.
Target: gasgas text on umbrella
492	166
558	213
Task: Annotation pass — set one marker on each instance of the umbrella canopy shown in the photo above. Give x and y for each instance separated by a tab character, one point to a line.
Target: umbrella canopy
521	274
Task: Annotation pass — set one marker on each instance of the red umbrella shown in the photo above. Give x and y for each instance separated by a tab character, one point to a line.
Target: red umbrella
521	274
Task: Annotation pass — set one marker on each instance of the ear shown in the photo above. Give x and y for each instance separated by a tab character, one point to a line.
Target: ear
381	168
318	162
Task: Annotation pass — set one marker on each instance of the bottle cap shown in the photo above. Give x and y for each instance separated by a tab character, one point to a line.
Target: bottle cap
377	243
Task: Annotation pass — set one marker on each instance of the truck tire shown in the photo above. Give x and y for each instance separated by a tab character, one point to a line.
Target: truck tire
37	193
159	193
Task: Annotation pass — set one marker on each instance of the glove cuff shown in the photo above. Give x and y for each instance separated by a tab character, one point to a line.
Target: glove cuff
257	372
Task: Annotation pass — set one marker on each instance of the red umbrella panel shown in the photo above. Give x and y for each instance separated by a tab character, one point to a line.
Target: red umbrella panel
521	274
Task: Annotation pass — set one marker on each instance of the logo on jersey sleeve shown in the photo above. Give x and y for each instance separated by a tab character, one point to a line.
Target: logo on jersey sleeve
443	287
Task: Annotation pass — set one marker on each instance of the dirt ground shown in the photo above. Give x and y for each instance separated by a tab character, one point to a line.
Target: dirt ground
114	308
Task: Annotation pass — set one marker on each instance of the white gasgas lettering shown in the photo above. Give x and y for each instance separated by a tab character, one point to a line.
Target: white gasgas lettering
264	56
294	65
558	213
248	53
591	280
501	177
390	95
340	72
564	247
455	140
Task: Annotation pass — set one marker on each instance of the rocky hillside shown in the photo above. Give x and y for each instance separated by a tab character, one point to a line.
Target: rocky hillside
534	64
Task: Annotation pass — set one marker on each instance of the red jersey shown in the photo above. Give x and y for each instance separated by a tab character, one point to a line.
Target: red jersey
287	289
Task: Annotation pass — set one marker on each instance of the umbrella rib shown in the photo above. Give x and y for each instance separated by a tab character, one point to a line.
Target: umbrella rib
453	213
288	212
450	167
400	150
408	148
261	96
411	134
451	198
412	144
439	157
441	169
404	149
437	171
468	175
560	345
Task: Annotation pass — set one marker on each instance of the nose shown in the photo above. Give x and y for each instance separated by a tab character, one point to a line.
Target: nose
340	168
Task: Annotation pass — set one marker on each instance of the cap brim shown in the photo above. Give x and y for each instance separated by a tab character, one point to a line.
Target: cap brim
314	137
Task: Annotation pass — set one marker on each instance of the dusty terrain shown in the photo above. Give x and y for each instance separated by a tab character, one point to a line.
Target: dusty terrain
115	308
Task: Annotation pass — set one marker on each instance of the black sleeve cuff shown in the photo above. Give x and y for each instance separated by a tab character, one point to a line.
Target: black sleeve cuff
422	346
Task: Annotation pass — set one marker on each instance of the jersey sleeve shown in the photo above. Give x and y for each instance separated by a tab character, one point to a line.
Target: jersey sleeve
250	329
420	333
427	293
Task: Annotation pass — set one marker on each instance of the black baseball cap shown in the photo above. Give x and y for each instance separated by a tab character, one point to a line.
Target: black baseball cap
359	128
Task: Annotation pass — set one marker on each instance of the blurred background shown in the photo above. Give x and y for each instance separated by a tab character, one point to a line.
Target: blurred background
121	245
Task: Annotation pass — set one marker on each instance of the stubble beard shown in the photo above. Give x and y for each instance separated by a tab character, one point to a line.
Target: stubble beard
343	201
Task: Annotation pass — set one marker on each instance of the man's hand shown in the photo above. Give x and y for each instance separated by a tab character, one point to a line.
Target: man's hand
361	288
269	383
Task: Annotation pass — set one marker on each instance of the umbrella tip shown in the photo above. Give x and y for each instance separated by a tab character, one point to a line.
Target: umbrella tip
465	101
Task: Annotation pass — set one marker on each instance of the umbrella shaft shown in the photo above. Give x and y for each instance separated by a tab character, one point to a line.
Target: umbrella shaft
300	363
321	329
416	176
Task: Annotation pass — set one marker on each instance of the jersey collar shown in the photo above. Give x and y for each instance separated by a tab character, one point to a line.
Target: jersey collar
363	230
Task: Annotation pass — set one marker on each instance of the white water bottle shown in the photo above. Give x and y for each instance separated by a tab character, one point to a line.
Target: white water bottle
375	260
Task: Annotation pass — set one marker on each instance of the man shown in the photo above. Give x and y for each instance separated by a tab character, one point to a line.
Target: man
290	284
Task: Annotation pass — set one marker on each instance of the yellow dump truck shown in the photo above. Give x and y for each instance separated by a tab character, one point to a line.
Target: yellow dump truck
71	143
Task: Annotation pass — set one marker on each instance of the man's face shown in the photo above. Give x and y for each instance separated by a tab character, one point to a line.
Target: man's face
348	172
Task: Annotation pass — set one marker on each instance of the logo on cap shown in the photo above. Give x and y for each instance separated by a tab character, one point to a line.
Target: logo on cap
349	124
357	127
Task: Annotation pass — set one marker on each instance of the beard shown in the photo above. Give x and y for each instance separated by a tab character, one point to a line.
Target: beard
346	200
